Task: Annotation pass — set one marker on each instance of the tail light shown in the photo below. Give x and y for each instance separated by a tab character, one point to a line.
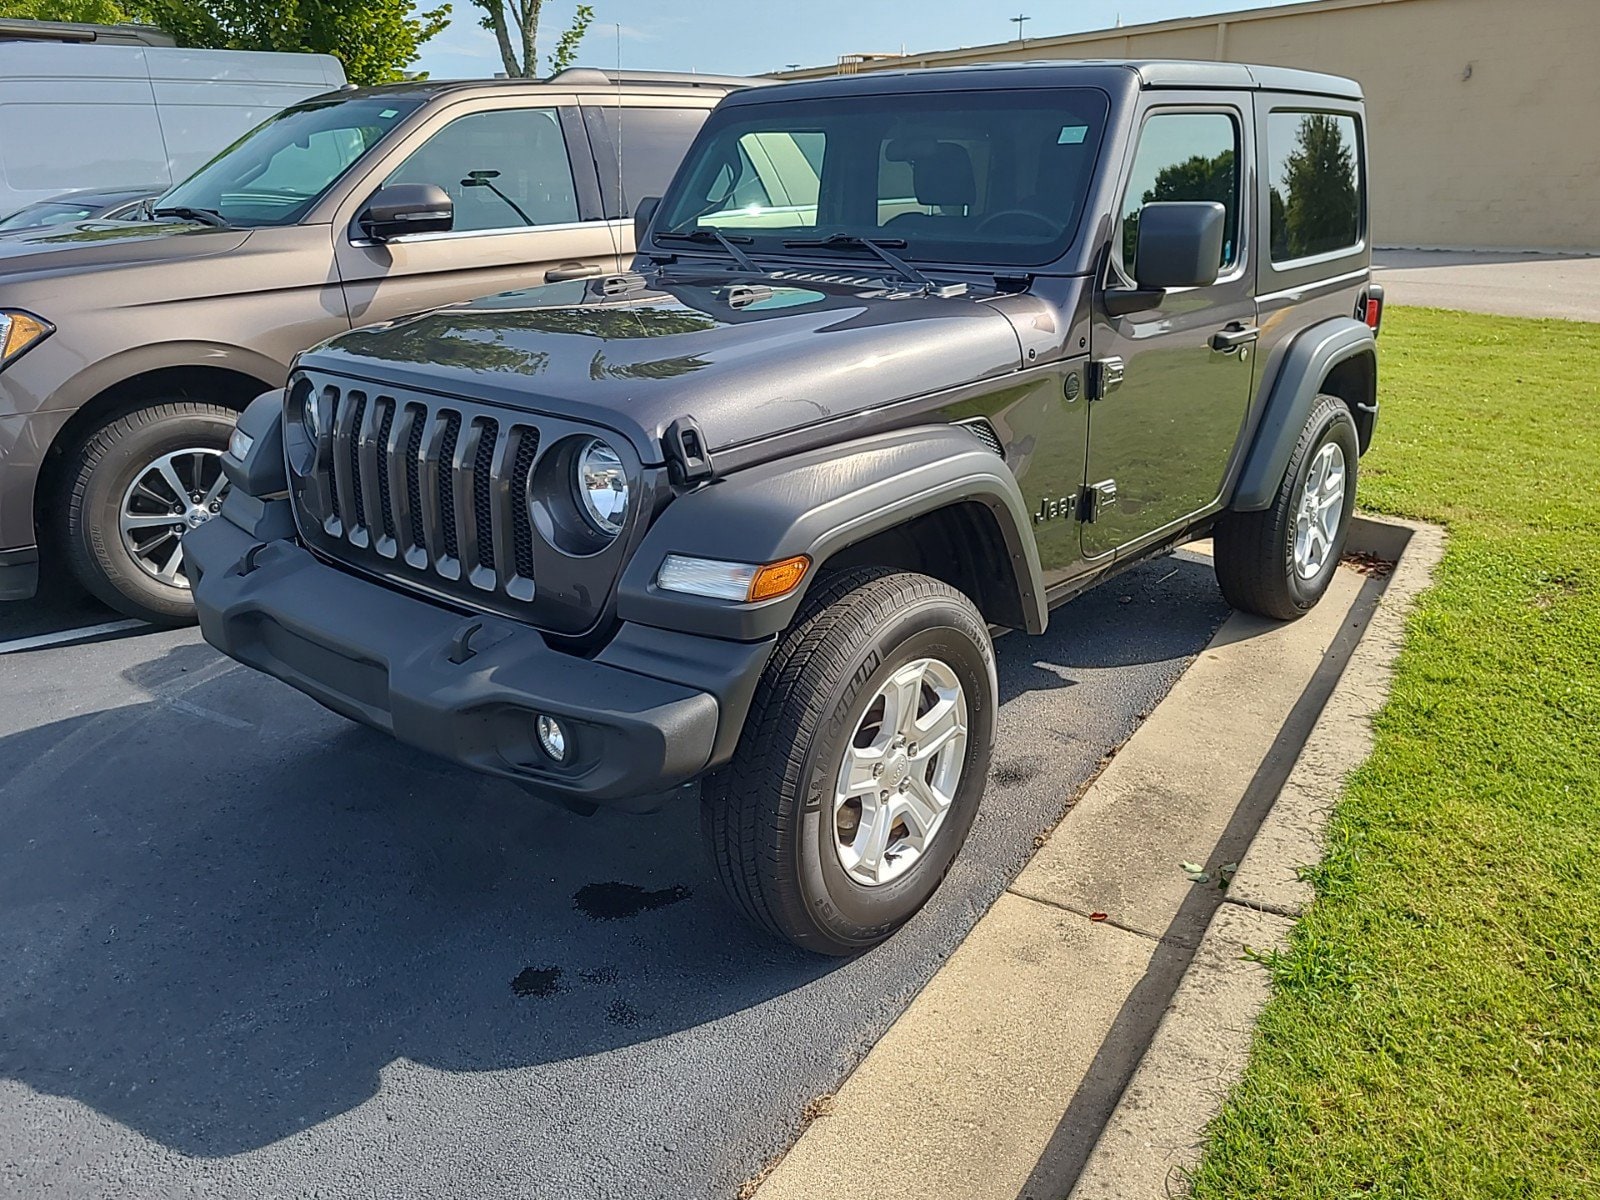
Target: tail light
1369	309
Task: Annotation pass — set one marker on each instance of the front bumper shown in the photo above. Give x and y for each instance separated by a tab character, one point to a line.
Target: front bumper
412	669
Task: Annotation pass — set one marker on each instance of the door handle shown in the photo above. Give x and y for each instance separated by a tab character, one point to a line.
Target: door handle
571	270
1231	337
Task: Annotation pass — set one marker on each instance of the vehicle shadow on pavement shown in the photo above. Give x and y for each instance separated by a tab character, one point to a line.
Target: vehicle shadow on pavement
227	912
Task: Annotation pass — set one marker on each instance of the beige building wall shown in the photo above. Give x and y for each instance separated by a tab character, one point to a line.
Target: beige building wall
1483	115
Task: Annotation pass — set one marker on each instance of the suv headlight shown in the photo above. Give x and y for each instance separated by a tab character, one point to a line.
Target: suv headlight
601	485
20	332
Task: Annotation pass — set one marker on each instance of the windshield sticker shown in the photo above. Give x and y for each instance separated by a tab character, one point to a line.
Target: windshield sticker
387	113
1072	135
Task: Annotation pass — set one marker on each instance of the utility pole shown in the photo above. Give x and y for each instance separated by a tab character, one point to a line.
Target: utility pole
1017	21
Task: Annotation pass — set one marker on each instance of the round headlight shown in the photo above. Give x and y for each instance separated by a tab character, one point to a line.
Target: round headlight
602	487
311	417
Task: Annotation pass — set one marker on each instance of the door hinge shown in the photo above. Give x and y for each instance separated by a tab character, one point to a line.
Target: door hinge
1095	499
1105	376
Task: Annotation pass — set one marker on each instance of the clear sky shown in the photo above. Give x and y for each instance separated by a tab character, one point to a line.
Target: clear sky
764	35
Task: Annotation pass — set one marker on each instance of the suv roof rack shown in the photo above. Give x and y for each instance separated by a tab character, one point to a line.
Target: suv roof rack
594	76
75	31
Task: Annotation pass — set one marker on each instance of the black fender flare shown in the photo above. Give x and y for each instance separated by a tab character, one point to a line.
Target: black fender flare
1306	364
818	503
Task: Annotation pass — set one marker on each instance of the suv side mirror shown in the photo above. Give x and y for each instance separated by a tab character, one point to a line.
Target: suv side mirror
1180	246
641	218
403	208
1180	243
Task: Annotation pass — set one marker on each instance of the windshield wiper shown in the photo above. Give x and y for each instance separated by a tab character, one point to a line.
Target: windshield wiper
708	235
849	241
205	216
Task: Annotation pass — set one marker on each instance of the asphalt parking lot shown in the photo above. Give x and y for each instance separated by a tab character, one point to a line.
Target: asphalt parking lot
255	950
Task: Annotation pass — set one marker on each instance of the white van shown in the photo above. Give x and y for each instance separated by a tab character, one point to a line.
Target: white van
78	116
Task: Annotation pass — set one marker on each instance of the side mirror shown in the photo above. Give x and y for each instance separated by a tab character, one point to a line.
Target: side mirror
403	208
642	213
1180	245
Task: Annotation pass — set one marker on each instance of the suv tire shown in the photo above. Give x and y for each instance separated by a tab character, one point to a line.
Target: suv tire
793	855
1279	562
121	472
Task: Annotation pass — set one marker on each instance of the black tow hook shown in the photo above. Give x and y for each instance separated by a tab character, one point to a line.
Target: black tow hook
461	645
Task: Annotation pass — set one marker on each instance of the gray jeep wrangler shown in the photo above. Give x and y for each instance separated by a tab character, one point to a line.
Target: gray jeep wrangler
904	359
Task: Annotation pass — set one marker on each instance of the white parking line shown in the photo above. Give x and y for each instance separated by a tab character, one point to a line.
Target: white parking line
69	635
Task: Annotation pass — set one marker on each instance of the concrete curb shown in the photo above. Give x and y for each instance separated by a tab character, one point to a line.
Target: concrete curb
1155	1135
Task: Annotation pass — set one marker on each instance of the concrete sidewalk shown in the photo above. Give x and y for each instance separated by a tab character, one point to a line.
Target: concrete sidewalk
1508	285
1022	1070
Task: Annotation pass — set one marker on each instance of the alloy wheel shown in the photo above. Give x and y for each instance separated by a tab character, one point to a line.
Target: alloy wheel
177	492
1316	526
901	770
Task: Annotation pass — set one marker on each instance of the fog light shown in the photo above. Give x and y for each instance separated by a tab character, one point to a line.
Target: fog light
552	737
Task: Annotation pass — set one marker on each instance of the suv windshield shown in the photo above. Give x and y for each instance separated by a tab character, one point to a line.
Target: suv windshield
274	173
970	177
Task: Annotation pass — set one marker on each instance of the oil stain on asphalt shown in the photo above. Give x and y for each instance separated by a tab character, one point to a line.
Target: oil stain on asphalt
619	901
538	982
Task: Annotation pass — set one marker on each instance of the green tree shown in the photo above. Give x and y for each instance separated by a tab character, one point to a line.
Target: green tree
566	52
515	25
374	39
1321	210
92	12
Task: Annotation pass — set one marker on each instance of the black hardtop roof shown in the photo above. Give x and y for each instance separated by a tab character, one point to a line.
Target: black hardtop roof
1110	74
572	79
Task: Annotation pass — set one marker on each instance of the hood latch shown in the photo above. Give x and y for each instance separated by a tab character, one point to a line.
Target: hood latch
688	460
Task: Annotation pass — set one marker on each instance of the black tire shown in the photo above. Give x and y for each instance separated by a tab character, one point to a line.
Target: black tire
1254	551
768	815
98	476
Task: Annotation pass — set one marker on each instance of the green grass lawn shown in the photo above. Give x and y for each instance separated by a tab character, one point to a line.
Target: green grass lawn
1435	1029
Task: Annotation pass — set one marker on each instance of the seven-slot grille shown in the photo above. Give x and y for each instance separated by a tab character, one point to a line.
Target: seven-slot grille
442	488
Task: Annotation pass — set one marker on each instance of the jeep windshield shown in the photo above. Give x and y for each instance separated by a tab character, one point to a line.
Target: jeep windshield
953	177
277	171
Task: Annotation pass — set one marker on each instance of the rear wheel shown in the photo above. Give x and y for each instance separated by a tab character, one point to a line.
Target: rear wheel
1279	562
862	763
134	488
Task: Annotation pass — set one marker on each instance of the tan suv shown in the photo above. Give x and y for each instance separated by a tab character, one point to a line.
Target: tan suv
127	348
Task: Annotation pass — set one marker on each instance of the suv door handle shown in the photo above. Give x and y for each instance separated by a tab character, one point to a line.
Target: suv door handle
1231	337
571	270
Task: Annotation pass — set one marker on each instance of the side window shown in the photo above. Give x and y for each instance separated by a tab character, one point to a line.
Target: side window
1315	183
640	148
504	170
1184	156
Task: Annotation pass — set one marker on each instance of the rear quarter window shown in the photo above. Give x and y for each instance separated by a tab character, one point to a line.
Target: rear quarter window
1316	184
637	150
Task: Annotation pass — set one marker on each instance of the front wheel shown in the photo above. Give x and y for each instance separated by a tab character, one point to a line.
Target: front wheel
135	487
1279	562
862	762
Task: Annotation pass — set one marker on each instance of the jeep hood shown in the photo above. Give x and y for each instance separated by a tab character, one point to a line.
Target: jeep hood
745	360
92	245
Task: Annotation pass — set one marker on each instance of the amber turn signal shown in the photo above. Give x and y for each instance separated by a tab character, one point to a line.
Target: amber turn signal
779	578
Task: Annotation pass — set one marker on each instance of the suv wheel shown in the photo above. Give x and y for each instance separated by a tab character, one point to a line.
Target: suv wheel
1278	562
862	761
135	487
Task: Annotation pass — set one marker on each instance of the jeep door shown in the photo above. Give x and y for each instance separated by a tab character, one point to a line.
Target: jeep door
1171	394
527	210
